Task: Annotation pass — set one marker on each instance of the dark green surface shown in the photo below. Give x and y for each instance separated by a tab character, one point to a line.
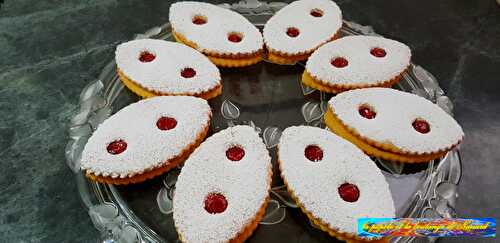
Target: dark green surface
49	50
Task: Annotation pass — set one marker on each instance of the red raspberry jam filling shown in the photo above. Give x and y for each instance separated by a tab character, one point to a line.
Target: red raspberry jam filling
349	192
235	37
199	20
215	203
292	32
316	13
378	52
367	112
166	123
146	56
188	72
313	153
339	62
421	126
117	147
235	153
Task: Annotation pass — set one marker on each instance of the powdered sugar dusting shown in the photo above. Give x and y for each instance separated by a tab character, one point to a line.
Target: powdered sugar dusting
363	67
213	35
396	111
244	183
147	146
314	31
316	183
163	74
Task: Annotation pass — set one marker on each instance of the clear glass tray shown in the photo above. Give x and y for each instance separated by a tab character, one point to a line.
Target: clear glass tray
270	98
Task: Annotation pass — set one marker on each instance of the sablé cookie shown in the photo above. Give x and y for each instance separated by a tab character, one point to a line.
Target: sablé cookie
354	62
156	67
227	38
223	189
393	125
299	28
332	181
146	139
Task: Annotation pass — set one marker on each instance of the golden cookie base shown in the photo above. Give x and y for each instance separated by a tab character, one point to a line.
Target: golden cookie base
314	83
252	225
308	80
277	58
157	171
220	60
232	63
375	149
350	238
144	93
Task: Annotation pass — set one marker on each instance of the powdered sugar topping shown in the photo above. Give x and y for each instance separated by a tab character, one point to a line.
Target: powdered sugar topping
212	36
243	183
163	74
314	31
395	113
147	146
316	183
362	67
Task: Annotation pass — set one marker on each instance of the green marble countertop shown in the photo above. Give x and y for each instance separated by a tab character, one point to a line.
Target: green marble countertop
49	50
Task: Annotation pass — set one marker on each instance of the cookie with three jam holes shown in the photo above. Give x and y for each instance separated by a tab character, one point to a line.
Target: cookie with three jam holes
299	28
146	139
354	62
393	125
223	189
227	38
332	181
156	67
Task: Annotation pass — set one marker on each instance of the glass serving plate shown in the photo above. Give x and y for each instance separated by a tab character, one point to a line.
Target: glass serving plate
270	98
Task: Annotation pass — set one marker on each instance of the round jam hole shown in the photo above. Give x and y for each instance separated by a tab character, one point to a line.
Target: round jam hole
367	112
235	153
349	192
421	126
378	52
188	72
339	62
292	32
117	147
146	56
313	153
234	37
316	13
215	203
199	20
166	123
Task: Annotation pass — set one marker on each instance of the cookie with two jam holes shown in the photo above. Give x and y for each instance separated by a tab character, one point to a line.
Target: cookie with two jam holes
223	189
333	181
354	62
227	38
298	29
393	125
151	67
146	139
